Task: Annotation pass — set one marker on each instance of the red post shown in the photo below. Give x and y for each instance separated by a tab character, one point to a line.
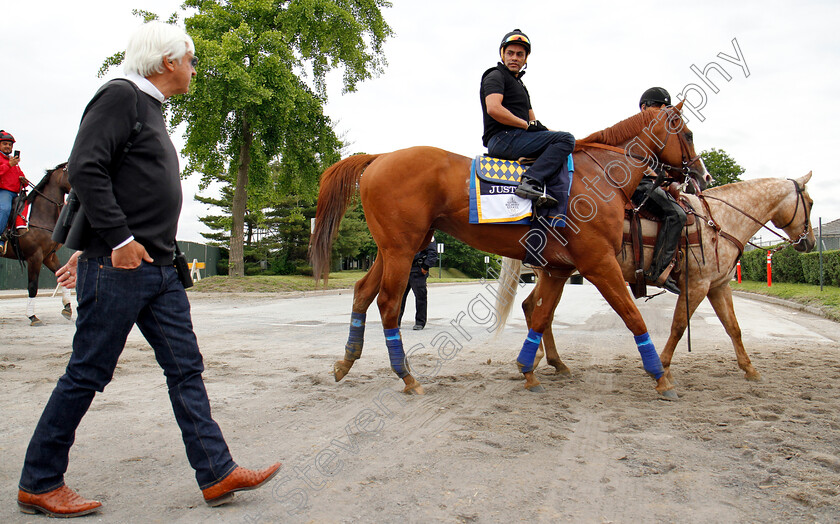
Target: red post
769	269
738	270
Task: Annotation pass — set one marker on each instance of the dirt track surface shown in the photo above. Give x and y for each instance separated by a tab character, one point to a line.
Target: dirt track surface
596	447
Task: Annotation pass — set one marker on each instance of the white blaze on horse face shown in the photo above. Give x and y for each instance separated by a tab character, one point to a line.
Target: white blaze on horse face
707	177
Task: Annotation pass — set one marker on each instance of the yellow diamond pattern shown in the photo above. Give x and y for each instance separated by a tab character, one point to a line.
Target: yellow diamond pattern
501	169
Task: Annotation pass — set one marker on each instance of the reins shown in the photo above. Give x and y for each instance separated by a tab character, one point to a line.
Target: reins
39	193
42	195
785	241
656	164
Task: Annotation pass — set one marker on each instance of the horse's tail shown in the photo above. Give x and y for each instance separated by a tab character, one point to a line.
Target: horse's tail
508	281
339	184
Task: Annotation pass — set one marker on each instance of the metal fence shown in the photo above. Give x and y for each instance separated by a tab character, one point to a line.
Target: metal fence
829	243
13	273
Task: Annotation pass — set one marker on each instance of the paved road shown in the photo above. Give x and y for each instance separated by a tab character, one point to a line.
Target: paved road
473	302
459	453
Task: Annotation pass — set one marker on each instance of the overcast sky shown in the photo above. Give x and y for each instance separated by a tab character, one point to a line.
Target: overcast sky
776	114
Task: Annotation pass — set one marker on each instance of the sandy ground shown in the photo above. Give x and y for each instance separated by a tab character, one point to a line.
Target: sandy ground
596	447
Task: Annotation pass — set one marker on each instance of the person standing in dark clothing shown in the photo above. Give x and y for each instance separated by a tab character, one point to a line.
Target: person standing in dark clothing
417	283
124	275
511	129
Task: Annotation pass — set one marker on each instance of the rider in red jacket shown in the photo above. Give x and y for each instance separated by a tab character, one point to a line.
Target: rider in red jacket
11	178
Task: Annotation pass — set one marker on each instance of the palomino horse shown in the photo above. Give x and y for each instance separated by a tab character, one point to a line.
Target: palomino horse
728	226
34	245
408	194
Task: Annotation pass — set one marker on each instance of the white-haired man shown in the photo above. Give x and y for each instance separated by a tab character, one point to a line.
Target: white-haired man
124	170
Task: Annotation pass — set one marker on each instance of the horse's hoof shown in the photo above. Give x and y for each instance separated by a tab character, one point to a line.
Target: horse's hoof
538	388
35	321
563	371
754	377
670	394
414	389
340	369
67	313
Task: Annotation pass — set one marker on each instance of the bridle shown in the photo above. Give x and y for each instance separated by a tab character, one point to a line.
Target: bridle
39	193
656	164
685	148
42	195
800	197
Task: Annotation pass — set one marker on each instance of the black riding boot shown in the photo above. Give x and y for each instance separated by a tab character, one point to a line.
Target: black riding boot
664	251
532	190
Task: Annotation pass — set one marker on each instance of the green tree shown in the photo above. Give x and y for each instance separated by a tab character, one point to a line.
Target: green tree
260	91
287	224
722	167
461	256
353	235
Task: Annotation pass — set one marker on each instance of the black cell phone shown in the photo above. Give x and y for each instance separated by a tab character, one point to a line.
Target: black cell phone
17	153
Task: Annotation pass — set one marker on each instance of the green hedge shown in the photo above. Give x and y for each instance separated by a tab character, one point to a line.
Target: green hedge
831	268
791	266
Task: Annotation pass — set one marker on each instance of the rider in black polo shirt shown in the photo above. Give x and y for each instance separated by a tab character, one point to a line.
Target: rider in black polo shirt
512	131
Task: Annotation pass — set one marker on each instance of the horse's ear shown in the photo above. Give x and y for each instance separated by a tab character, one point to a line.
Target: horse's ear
804	179
679	106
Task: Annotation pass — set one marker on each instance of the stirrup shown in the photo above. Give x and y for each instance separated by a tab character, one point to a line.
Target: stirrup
663	276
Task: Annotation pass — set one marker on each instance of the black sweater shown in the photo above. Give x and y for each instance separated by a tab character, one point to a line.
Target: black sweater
143	198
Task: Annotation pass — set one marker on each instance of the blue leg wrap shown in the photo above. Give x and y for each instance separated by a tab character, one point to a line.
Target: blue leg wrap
393	340
353	348
526	357
650	359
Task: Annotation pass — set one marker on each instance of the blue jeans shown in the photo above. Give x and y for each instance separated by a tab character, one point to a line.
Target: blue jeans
549	147
110	302
6	198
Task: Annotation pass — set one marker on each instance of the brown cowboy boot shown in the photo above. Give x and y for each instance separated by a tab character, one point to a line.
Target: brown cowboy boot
240	479
60	502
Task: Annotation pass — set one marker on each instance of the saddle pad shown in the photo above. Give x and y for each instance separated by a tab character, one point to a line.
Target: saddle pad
650	231
492	203
22	218
498	170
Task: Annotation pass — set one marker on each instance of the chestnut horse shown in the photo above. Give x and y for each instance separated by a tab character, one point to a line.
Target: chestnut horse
34	244
739	210
407	194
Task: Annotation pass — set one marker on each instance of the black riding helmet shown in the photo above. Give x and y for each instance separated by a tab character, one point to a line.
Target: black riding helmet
516	37
655	95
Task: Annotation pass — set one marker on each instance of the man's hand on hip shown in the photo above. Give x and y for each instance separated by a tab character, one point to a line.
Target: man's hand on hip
130	256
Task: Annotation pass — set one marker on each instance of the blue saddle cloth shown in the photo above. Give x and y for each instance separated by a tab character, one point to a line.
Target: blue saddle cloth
492	201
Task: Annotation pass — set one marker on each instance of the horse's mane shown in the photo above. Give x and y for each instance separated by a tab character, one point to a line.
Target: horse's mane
622	131
39	187
720	191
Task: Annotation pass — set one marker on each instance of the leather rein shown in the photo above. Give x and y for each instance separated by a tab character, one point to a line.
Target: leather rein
59	205
738	244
